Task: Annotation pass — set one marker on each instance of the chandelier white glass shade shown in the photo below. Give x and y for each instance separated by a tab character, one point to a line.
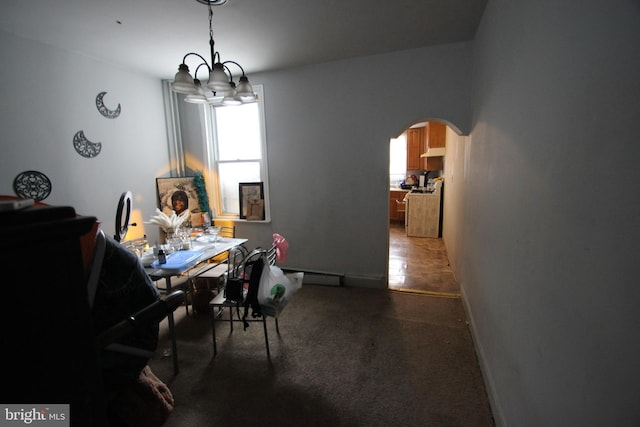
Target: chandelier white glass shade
220	76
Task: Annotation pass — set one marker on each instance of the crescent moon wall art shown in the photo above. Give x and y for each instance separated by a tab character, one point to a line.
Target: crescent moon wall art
84	147
32	185
109	114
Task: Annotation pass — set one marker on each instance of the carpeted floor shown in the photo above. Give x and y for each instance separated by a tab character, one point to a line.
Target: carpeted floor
344	357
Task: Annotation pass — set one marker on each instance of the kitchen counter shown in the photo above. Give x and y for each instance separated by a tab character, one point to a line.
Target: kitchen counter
423	213
420	193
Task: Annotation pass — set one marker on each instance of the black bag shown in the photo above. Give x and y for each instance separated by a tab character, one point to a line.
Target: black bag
233	290
251	300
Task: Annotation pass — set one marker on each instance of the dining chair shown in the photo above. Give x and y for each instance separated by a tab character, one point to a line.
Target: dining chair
178	283
208	284
247	272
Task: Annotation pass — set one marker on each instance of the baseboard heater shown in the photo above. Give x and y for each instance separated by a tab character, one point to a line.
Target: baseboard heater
312	277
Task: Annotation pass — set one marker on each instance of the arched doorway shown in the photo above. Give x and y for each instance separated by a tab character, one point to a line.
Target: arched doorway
418	260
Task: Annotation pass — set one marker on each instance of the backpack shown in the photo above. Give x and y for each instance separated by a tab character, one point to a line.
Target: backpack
254	269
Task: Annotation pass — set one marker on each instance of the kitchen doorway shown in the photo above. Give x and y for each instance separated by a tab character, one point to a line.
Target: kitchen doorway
416	264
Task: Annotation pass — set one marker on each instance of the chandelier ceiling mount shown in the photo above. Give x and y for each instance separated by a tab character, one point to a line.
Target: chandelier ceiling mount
220	75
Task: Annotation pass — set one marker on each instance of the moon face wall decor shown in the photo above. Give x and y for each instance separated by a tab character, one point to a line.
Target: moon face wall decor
110	114
84	147
32	185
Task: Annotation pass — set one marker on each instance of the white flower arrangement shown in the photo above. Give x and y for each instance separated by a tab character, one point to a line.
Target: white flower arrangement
169	223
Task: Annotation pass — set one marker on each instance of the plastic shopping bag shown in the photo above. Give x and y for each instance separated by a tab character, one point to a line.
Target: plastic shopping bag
277	289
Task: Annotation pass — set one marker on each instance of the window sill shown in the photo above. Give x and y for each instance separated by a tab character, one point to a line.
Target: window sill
236	219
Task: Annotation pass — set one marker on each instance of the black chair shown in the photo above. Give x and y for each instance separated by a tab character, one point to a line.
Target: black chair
54	344
240	294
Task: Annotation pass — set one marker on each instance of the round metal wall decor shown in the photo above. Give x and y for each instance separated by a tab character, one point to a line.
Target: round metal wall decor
32	185
109	114
84	147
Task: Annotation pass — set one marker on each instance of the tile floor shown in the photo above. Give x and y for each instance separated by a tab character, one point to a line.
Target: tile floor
419	264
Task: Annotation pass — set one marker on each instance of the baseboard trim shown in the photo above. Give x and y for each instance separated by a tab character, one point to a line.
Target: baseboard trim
428	293
492	394
314	277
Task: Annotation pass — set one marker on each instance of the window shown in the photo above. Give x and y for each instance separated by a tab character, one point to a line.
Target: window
397	159
238	146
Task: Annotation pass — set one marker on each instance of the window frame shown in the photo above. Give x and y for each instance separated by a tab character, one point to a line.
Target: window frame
211	141
401	141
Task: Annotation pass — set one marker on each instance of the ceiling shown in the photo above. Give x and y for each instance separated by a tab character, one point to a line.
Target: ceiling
153	35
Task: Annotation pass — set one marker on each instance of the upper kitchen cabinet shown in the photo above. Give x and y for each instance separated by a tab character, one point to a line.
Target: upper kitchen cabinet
435	137
415	146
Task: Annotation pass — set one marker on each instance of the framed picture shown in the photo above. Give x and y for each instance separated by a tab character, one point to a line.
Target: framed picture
251	201
178	194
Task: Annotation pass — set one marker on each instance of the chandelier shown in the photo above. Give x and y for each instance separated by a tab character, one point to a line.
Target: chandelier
220	76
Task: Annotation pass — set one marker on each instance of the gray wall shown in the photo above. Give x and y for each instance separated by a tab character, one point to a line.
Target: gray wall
48	95
328	130
552	214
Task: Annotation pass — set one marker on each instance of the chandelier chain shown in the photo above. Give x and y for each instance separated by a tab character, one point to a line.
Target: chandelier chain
210	22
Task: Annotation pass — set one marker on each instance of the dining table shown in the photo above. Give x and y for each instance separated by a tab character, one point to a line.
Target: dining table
193	261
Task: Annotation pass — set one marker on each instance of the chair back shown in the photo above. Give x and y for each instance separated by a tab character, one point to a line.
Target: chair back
235	260
227	231
270	255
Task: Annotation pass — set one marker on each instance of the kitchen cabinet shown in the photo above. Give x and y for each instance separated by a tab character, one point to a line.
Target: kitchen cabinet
435	137
433	163
423	213
396	205
415	147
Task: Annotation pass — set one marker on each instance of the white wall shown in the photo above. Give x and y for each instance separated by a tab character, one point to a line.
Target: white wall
453	194
48	94
328	130
551	211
